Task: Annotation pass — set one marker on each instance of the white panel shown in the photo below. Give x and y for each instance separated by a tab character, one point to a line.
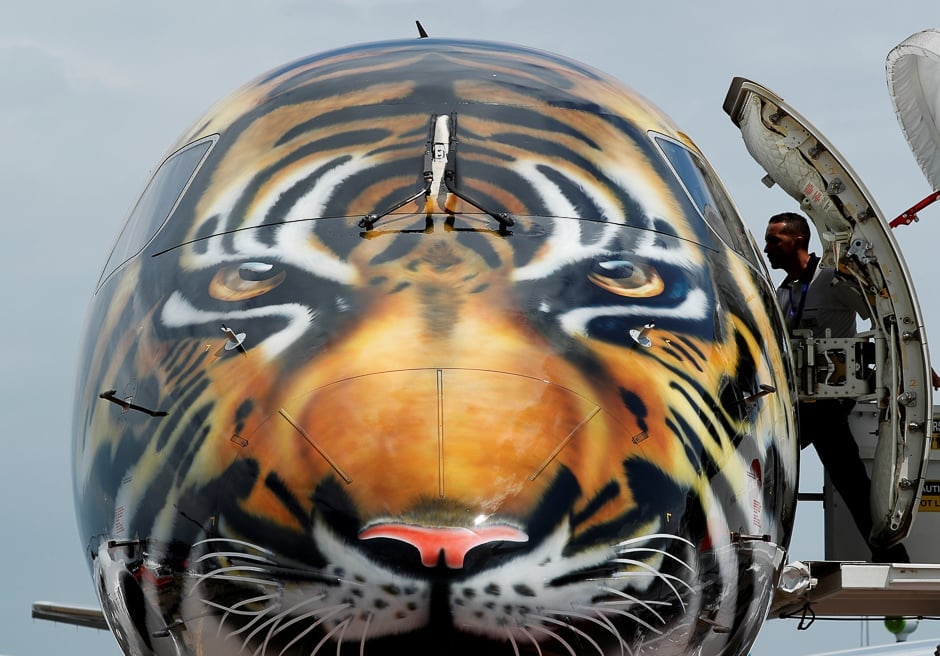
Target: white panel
913	71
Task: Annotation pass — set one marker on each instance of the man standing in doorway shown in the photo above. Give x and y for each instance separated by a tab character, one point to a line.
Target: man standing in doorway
813	298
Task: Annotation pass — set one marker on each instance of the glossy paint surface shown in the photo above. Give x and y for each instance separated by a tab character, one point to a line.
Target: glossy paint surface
423	346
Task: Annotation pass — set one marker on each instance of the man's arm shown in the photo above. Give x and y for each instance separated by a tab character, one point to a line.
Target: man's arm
848	293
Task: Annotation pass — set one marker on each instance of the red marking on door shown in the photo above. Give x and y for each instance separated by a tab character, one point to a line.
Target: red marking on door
755	471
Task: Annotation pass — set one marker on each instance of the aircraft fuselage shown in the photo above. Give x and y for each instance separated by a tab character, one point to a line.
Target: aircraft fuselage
434	346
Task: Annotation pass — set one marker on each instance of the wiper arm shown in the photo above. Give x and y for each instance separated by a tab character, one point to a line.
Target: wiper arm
368	221
450	180
434	154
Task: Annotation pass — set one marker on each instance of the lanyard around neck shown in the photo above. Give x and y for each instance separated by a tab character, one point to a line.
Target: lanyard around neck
794	316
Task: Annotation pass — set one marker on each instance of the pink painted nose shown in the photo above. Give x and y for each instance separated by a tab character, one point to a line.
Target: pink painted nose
455	542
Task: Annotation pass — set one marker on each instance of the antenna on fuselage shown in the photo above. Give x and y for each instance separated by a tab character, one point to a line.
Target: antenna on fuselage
422	33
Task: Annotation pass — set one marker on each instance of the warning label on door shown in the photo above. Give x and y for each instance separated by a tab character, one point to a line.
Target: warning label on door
930	498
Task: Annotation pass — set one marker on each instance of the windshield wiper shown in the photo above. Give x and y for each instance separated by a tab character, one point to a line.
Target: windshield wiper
440	164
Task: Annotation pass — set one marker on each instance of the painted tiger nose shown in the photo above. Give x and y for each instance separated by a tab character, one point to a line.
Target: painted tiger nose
453	541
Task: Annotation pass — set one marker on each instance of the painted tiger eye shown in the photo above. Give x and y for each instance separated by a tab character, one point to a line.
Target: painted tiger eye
238	282
627	278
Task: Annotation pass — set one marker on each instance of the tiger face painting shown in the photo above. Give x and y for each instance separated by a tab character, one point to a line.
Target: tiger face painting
434	347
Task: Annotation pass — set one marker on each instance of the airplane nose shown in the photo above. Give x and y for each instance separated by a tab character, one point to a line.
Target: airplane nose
451	543
433	433
437	461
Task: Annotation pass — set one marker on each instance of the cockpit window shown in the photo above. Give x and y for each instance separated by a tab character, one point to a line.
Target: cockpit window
708	195
158	201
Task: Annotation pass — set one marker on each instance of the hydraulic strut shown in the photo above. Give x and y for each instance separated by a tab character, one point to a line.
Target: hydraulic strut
910	215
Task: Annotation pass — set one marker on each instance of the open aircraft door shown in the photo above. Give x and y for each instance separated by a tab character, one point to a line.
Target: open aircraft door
887	366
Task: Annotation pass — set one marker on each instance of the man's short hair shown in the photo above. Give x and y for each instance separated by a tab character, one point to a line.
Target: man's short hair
794	224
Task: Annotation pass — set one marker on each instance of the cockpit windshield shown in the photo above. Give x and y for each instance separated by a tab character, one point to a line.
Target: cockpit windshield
709	197
161	196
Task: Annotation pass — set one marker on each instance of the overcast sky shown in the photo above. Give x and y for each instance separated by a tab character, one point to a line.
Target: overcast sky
92	94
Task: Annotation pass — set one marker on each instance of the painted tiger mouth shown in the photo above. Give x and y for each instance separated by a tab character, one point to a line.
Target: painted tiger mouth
539	600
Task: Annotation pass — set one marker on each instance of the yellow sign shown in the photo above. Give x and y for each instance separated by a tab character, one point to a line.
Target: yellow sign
929	504
935	434
930	497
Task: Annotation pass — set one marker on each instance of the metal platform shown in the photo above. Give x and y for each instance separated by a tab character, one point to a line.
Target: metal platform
850	589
